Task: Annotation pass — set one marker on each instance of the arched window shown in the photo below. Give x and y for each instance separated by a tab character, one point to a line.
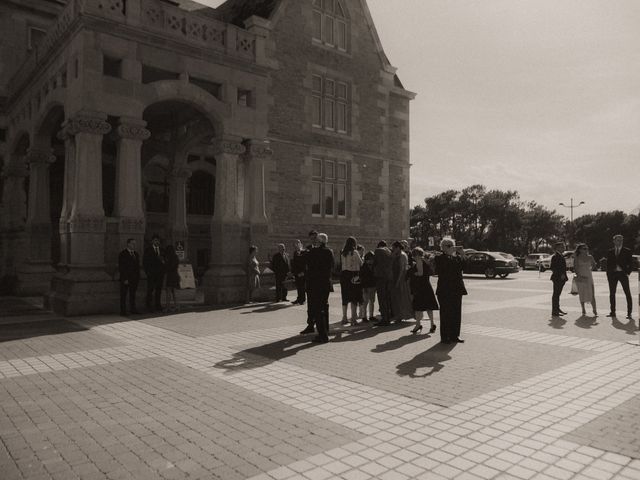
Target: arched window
156	195
330	24
201	191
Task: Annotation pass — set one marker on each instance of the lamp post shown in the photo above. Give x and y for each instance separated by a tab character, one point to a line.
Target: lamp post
571	206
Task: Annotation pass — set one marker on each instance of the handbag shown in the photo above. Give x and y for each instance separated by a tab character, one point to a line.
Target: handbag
574	286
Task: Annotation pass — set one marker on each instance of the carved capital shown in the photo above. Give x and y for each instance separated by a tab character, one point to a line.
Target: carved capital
88	224
181	172
85	124
14	170
133	132
39	157
259	149
230	147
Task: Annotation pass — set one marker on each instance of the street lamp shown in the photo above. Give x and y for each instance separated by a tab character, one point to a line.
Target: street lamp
571	206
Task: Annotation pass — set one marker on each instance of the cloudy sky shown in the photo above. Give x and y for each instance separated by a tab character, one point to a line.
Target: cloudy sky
538	96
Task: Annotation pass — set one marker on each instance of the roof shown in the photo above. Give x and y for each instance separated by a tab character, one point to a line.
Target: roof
237	11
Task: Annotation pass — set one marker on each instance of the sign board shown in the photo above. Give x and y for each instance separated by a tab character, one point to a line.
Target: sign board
185	272
432	242
180	249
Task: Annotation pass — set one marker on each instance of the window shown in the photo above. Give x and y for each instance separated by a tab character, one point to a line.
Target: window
35	37
329	188
330	24
111	67
201	193
244	97
330	100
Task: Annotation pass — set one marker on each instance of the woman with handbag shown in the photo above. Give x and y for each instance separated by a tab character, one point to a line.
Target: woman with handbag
349	280
582	266
424	300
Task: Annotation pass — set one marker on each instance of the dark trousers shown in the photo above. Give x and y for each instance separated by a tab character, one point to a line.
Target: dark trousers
558	285
130	290
318	300
623	278
450	317
311	321
383	289
281	290
301	290
154	291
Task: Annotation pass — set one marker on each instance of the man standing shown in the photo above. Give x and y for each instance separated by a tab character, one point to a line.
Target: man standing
450	290
619	266
129	267
382	270
558	277
297	270
313	243
153	263
280	267
319	266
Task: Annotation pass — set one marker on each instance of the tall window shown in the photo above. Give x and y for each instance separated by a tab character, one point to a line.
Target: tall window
330	104
329	188
330	24
201	193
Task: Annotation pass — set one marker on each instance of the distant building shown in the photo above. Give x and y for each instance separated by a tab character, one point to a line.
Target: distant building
247	124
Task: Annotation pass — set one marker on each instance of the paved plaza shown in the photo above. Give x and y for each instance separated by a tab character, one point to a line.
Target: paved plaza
237	394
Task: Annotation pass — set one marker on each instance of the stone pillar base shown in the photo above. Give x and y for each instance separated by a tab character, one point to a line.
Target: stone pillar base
84	291
225	285
34	278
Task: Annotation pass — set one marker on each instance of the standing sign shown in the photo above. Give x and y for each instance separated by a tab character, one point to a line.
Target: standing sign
180	249
432	242
185	272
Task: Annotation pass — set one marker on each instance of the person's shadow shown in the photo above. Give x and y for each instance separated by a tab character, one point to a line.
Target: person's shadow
629	327
432	359
399	343
586	322
360	332
269	307
557	322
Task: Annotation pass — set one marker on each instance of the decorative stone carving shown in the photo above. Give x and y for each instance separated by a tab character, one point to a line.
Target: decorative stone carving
133	132
87	224
82	124
41	157
131	225
259	149
181	172
231	147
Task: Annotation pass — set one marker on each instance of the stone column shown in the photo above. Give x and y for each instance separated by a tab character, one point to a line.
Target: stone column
34	276
85	288
128	202
12	223
178	228
68	194
255	205
225	280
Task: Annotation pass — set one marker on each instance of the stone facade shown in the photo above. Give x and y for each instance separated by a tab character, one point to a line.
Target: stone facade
247	124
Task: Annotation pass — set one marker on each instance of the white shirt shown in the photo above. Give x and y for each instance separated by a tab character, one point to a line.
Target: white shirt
351	262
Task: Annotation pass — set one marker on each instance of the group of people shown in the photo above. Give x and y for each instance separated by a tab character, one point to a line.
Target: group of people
398	276
619	267
160	265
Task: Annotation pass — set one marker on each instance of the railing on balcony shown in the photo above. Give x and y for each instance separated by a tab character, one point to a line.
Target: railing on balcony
150	15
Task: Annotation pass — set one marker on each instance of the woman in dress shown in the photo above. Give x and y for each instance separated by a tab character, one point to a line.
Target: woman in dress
401	307
424	300
583	263
172	280
253	273
349	279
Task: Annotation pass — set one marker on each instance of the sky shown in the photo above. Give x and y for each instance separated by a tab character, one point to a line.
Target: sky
538	96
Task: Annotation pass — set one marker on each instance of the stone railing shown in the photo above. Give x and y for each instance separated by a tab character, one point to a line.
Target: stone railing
148	15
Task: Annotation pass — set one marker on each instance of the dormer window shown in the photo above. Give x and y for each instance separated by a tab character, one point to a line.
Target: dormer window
330	24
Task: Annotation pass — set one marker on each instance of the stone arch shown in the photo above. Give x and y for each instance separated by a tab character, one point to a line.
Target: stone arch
47	122
174	90
20	143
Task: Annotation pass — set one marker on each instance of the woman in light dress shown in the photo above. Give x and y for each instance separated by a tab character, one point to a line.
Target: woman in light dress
253	273
349	279
582	265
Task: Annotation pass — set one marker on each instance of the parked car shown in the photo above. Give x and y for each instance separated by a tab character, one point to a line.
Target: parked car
491	264
531	260
508	256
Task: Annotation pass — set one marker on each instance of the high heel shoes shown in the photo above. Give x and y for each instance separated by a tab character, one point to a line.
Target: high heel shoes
416	329
432	329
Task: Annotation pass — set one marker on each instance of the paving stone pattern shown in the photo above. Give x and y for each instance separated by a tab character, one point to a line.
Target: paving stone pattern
259	403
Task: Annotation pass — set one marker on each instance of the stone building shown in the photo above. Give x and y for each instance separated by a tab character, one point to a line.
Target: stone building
246	124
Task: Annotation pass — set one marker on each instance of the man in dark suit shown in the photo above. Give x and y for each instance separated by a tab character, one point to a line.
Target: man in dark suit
129	267
297	270
558	277
313	243
450	289
280	266
619	267
153	263
382	270
320	263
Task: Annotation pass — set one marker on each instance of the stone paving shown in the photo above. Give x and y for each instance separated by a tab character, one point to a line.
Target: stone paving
236	393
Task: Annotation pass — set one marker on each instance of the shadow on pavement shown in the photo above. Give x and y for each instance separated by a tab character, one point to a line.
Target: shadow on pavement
361	331
586	322
432	359
399	342
557	322
266	308
22	331
629	327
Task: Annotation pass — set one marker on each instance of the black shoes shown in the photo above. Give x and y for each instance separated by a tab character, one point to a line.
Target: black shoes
432	329
558	314
611	314
319	340
459	340
307	330
416	329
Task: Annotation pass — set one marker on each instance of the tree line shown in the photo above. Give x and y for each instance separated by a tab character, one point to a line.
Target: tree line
498	220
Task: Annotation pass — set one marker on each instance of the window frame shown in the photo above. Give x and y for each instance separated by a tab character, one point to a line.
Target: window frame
330	108
328	186
334	25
